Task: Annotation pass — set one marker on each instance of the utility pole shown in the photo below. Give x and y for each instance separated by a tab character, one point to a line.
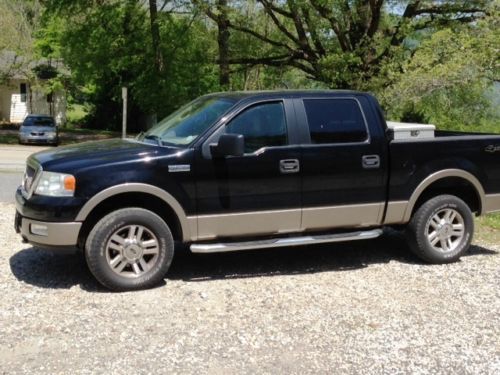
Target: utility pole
124	119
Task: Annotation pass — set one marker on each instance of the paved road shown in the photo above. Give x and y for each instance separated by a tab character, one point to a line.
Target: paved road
9	181
12	164
13	157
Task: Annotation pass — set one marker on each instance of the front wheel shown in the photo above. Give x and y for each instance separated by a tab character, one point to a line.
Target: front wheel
441	230
129	249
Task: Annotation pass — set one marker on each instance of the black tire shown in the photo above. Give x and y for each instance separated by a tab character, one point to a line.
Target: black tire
97	249
418	235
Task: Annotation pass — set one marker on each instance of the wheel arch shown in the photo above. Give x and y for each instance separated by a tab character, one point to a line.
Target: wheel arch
434	185
138	195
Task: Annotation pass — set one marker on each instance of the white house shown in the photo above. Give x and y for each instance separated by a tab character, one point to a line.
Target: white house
19	98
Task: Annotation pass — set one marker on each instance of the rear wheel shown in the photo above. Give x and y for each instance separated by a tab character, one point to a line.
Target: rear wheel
129	249
441	230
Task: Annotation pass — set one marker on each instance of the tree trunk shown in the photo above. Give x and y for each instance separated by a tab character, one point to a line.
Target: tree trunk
155	36
223	42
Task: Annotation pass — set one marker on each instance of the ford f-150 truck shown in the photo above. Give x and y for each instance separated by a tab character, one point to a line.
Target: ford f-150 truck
256	170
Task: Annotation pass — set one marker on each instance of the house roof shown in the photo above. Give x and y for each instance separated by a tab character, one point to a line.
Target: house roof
14	66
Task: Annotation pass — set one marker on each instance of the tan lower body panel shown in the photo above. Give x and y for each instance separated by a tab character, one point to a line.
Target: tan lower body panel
360	215
492	203
288	221
396	212
315	218
58	234
248	223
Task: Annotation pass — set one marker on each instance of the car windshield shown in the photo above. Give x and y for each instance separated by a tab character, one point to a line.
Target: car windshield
38	121
182	127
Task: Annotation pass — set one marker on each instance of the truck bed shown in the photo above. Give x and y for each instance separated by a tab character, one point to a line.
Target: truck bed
413	160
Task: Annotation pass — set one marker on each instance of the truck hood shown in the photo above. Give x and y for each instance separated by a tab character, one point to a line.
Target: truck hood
70	159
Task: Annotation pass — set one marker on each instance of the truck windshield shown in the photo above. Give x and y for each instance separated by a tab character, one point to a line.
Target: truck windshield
185	125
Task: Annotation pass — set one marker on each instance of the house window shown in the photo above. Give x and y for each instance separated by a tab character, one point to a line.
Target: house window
23	91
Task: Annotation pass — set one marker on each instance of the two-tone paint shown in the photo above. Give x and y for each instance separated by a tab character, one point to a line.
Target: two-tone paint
249	196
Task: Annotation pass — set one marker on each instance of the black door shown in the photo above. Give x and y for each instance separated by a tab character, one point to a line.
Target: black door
259	192
343	166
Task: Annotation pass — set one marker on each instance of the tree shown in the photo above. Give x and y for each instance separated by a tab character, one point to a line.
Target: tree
17	36
155	36
344	43
108	44
218	12
447	79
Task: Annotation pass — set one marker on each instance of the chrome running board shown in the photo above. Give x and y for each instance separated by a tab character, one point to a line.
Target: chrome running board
283	242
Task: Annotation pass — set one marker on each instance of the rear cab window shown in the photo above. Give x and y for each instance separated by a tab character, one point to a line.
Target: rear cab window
333	120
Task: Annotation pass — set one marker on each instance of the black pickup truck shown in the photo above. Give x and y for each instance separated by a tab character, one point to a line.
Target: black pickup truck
249	170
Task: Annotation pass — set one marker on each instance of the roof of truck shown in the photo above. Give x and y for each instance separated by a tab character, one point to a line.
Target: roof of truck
283	93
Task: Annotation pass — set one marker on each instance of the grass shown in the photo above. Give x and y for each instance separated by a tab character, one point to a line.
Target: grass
488	229
491	220
8	139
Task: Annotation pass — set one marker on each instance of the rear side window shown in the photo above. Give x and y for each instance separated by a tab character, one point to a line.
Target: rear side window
262	125
335	121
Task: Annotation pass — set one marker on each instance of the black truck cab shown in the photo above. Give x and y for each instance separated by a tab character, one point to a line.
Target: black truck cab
236	171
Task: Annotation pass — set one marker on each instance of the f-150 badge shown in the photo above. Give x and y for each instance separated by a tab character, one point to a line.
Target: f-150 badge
179	168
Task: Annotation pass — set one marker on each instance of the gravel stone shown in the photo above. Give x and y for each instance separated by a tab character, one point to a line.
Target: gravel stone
360	307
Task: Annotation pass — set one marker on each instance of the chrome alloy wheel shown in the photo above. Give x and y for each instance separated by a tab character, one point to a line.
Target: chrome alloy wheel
446	230
132	250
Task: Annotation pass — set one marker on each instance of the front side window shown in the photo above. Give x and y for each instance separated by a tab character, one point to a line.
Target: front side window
262	125
335	121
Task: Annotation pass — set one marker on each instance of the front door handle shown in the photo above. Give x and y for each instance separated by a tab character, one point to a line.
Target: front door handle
371	161
289	166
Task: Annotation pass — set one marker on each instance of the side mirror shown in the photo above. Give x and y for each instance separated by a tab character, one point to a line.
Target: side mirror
229	145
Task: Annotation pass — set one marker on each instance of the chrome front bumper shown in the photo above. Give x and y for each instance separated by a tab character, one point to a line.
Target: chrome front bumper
48	234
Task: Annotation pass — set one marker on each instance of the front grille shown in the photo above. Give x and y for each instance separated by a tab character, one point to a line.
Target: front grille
29	177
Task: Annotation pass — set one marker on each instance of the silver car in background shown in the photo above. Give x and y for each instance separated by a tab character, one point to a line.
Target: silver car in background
40	129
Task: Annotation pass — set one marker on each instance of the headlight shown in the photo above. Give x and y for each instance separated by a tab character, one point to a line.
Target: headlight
56	184
51	134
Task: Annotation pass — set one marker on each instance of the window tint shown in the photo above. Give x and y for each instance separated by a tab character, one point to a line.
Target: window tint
335	121
262	125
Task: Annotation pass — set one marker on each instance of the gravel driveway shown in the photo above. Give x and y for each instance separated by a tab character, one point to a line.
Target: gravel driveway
366	307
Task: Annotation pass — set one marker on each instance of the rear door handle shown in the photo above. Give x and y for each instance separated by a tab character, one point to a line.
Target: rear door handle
289	166
371	161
